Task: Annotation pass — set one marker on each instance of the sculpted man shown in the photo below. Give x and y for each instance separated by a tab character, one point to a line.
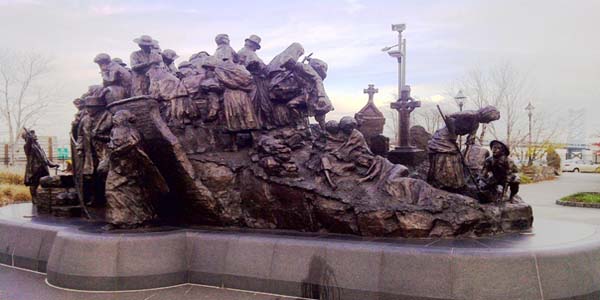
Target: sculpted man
169	56
37	162
224	50
115	79
247	54
141	61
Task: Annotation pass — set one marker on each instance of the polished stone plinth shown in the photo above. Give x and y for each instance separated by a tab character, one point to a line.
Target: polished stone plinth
557	260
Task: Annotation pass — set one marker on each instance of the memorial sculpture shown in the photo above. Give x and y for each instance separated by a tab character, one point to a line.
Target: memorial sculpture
133	183
37	162
499	174
229	143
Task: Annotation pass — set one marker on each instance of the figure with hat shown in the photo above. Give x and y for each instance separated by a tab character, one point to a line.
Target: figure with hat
92	147
120	62
141	61
446	169
247	54
169	56
499	174
37	162
115	78
313	100
224	51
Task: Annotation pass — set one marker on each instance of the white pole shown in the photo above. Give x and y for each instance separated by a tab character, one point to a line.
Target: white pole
403	62
400	65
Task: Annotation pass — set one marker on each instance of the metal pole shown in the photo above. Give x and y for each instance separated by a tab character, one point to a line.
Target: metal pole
403	83
460	108
529	150
400	62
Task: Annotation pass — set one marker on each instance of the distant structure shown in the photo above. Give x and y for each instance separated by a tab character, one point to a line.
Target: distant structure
370	123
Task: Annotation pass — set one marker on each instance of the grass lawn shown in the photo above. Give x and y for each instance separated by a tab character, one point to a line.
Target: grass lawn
12	189
583	197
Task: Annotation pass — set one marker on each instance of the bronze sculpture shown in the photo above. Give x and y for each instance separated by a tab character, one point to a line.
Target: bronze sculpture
499	174
133	184
115	79
37	162
141	61
446	169
230	138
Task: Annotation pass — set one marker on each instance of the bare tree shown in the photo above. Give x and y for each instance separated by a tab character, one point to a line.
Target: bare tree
23	94
429	117
504	87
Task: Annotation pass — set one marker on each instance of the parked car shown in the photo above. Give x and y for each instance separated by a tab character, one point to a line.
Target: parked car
578	165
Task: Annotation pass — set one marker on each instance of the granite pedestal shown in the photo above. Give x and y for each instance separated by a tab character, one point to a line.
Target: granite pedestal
557	260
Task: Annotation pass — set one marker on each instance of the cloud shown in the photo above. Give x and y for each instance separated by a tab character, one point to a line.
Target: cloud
353	6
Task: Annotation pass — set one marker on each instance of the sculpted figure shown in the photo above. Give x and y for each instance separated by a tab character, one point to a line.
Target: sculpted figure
92	150
198	59
176	106
300	86
190	78
115	78
169	56
224	51
121	63
247	54
475	155
37	162
499	174
446	168
313	98
238	109
134	184
141	61
263	106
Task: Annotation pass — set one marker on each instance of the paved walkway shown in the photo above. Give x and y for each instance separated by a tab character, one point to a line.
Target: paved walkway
542	197
25	285
18	285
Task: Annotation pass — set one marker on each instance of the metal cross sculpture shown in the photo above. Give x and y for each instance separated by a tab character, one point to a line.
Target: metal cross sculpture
405	105
371	91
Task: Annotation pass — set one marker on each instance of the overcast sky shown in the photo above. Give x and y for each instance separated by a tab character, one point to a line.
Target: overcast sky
554	42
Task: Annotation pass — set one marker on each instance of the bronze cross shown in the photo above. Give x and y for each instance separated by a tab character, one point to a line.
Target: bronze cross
371	91
405	105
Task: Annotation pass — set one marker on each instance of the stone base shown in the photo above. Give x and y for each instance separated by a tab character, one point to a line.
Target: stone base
558	260
410	157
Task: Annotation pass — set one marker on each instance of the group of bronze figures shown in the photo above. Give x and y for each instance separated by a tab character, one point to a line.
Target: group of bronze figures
228	100
227	93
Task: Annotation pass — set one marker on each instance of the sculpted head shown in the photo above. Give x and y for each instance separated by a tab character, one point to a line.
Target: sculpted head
348	124
488	114
222	39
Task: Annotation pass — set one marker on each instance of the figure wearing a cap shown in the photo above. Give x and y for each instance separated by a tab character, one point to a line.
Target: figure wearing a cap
141	61
169	56
500	173
247	54
224	50
115	78
92	146
446	170
313	98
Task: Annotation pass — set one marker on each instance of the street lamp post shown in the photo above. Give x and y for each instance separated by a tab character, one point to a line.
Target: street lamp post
399	54
460	101
529	110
